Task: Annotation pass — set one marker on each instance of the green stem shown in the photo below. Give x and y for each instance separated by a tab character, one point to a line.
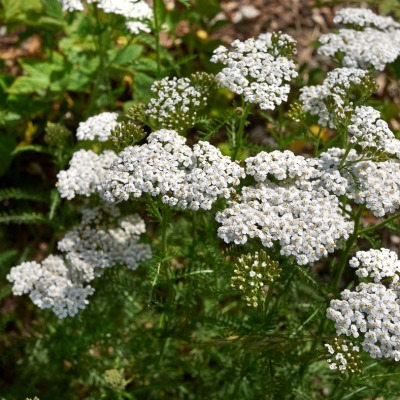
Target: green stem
349	245
157	33
194	220
164	225
280	120
269	296
239	135
393	217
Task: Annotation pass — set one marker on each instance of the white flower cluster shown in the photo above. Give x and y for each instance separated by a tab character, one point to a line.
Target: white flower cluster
370	131
362	49
364	17
345	355
311	173
130	9
98	126
254	72
86	173
307	224
377	264
174	97
166	166
372	310
101	240
378	184
49	285
338	84
135	27
94	245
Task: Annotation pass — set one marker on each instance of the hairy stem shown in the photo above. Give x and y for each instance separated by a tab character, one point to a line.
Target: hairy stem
239	136
349	245
157	34
269	296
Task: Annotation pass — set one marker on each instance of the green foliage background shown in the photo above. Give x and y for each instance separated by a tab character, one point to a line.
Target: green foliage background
178	335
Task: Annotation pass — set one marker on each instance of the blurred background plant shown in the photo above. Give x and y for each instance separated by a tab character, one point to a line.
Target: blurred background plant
192	337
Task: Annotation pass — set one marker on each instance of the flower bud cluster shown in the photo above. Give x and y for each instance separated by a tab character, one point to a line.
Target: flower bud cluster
86	173
115	379
338	86
126	134
374	311
99	127
364	17
177	101
253	272
257	69
345	355
166	166
377	264
56	134
102	240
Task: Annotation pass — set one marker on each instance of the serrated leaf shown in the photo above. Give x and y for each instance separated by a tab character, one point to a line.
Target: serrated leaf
53	8
25	218
20	194
127	54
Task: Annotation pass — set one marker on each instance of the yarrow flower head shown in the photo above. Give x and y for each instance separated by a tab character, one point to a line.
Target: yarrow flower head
340	86
258	69
364	17
297	212
86	173
177	101
375	184
134	10
371	132
253	272
166	166
344	355
103	239
99	127
377	264
372	311
375	43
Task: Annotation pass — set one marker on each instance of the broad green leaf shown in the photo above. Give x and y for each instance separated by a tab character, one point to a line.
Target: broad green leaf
26	84
32	147
7	145
52	8
142	84
11	8
37	69
145	64
127	54
7	116
51	22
